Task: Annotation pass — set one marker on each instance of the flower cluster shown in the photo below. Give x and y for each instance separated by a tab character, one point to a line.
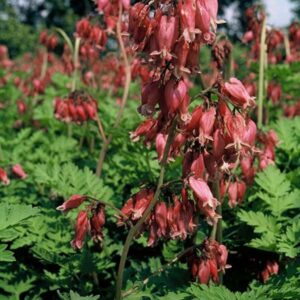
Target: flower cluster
89	221
92	35
294	41
166	221
215	139
78	108
275	39
213	260
270	269
172	34
50	41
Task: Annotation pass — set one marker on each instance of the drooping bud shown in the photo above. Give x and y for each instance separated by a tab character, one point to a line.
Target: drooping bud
160	143
203	192
73	202
97	222
238	94
81	229
3	177
18	171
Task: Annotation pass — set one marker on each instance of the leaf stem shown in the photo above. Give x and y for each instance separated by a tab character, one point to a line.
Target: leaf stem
261	82
134	230
217	232
106	143
76	63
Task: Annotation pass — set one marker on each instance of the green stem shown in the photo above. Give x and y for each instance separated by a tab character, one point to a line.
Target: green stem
66	38
217	232
287	45
76	63
261	82
108	140
134	230
45	65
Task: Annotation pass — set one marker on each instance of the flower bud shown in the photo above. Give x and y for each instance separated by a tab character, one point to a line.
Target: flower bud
18	171
81	229
203	192
238	94
3	177
73	202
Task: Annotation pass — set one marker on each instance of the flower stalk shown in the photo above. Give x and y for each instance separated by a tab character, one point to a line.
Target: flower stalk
108	140
134	230
262	66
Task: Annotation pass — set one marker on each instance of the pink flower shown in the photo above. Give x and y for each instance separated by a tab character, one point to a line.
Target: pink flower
142	129
248	36
222	257
3	177
271	268
179	141
249	135
218	145
102	4
236	127
198	166
21	107
181	52
81	229
151	93
167	35
176	98
153	232
73	202
97	222
207	122
274	92
203	192
160	214
187	10
247	168
90	110
126	3
141	202
236	192
202	17
238	94
194	122
83	28
193	57
18	171
160	143
212	7
204	272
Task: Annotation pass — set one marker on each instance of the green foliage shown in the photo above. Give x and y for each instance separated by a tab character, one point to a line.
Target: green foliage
67	179
288	149
277	221
12	35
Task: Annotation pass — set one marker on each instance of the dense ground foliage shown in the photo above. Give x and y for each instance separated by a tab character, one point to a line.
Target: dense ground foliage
49	154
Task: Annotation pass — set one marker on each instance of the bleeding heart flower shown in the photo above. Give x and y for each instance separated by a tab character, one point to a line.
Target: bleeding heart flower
160	142
97	222
18	171
3	177
81	229
73	202
203	192
238	94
